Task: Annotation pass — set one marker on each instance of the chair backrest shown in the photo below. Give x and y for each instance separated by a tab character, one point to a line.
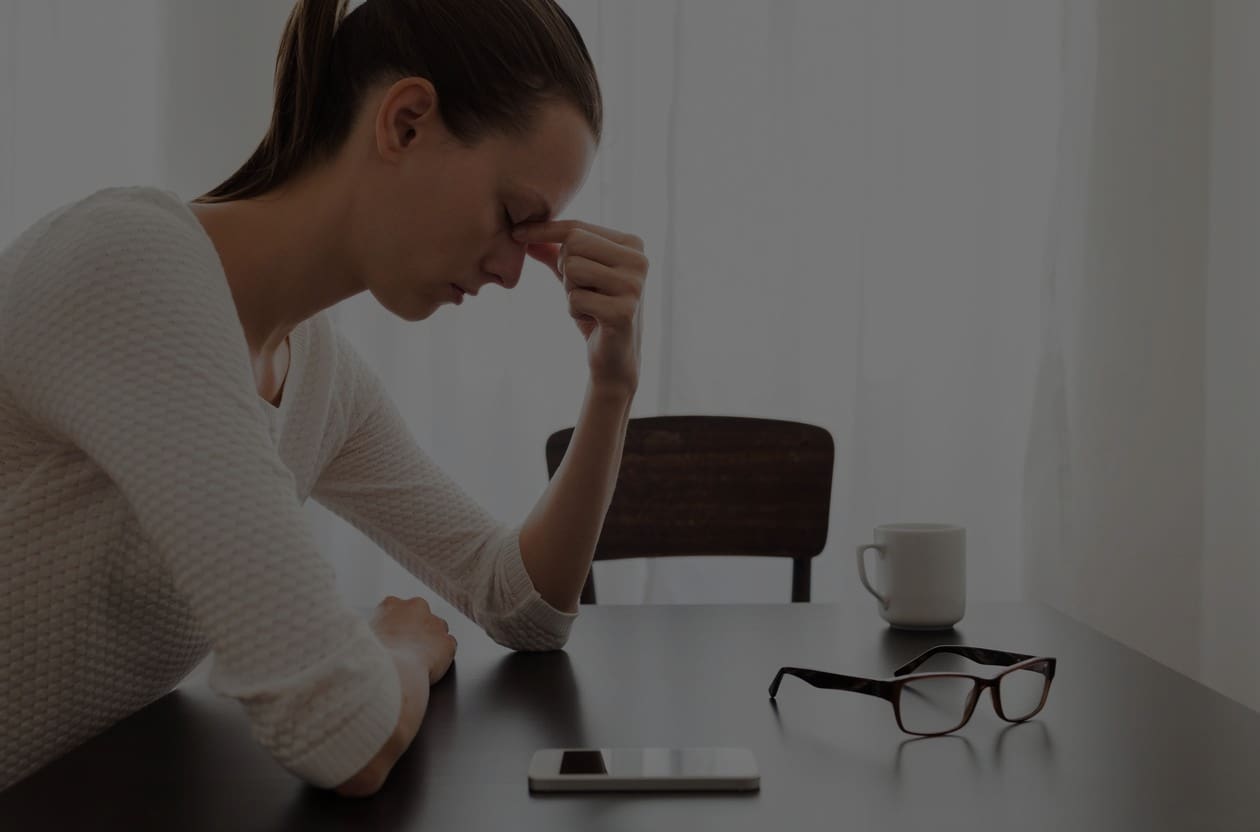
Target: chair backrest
717	485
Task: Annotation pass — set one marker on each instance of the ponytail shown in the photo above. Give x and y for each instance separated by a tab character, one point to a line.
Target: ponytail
492	62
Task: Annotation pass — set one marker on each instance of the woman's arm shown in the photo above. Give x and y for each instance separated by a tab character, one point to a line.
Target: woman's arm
603	272
119	336
384	484
521	587
558	538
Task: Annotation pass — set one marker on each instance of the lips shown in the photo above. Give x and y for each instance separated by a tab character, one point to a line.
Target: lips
458	293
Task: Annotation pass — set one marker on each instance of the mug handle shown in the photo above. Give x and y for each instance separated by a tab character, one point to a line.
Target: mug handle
861	560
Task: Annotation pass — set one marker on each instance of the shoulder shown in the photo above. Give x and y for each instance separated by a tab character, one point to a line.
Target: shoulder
117	220
121	260
121	211
115	242
117	230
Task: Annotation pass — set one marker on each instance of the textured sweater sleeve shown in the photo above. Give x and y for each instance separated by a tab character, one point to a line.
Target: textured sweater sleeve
385	485
120	336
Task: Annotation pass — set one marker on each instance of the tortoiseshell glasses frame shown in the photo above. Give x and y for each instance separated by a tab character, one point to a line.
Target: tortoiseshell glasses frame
903	678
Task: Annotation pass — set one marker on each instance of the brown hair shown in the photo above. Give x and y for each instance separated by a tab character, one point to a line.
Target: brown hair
492	62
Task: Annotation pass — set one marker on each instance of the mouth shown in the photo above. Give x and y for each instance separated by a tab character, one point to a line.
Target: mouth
459	293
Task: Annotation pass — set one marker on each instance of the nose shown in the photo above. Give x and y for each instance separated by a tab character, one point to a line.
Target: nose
506	266
511	276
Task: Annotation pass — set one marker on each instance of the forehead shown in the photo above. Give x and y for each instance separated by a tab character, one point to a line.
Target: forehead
554	158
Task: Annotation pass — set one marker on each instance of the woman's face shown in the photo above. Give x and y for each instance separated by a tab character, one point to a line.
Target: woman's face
432	219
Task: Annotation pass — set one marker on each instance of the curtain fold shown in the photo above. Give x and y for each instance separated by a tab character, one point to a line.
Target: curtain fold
1231	468
1114	508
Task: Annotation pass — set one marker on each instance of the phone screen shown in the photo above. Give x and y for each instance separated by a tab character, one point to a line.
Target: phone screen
653	762
583	761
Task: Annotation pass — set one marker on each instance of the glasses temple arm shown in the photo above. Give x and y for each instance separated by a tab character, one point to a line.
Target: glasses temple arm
980	655
833	681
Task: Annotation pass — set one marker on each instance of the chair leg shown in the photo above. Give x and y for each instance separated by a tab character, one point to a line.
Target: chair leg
588	589
800	580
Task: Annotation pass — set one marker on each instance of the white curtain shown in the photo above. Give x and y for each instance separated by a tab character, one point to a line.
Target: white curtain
846	207
79	87
1115	479
1230	624
999	248
1142	484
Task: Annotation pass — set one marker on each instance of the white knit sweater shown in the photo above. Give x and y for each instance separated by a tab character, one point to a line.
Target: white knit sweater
150	502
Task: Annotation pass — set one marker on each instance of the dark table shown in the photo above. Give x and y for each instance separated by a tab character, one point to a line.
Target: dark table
1124	743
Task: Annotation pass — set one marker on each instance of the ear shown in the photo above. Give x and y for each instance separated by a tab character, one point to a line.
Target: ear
408	109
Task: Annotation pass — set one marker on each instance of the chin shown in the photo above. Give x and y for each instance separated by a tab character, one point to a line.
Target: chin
416	313
409	307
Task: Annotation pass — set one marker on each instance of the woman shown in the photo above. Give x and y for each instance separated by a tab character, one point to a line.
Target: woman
171	391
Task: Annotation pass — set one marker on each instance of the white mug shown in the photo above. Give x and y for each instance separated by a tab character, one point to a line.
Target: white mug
921	574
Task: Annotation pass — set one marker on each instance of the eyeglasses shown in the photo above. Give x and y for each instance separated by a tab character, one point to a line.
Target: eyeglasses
933	704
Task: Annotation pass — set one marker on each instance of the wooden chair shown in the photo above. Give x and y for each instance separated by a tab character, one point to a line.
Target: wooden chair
716	485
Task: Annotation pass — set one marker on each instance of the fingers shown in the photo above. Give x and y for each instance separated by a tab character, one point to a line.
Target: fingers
559	231
395	612
548	254
604	250
582	273
556	248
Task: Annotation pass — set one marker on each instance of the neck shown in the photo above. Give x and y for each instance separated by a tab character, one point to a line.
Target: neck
284	254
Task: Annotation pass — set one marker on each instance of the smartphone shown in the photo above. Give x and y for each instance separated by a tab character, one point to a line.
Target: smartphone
643	769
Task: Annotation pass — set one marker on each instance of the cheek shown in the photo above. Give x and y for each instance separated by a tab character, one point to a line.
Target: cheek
434	245
463	244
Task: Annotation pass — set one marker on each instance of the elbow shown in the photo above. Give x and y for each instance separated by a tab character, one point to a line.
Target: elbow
528	639
546	645
535	645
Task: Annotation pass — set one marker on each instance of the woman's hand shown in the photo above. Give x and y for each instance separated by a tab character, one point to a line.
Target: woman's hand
422	649
603	272
411	629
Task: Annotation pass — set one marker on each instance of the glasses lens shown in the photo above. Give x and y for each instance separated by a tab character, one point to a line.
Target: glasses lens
934	703
1021	691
